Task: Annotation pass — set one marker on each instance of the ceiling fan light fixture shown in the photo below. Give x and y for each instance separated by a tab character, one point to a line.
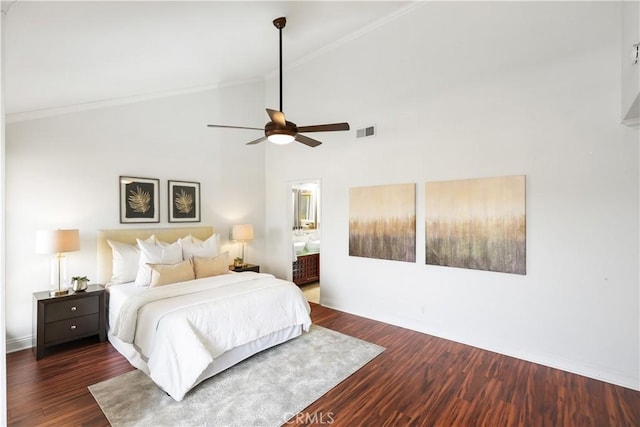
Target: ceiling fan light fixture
280	131
281	138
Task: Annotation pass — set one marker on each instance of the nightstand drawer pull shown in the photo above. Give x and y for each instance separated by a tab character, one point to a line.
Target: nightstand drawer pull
69	329
82	305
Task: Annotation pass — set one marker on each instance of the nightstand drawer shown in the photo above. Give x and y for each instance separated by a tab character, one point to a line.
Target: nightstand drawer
70	328
72	308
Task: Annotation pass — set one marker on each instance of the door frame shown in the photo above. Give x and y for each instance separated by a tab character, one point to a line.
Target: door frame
289	210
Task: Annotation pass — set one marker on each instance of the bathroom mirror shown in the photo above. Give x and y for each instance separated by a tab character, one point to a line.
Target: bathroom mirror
305	207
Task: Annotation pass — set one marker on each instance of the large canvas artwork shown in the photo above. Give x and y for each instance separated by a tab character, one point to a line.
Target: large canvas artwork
477	224
382	222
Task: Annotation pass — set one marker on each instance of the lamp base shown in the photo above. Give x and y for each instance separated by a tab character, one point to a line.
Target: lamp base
58	292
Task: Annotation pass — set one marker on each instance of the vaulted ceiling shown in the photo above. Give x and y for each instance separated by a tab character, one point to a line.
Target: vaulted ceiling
65	54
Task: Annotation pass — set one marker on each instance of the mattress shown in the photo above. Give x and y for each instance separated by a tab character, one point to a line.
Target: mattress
181	334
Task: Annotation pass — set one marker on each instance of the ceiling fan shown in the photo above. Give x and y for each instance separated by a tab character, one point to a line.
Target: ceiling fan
279	130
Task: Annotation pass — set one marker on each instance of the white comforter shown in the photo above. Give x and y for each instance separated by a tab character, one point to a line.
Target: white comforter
181	328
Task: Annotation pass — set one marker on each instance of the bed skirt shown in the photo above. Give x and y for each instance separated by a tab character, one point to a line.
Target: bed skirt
220	363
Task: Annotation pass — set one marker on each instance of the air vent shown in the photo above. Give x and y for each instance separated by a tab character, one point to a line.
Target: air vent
366	132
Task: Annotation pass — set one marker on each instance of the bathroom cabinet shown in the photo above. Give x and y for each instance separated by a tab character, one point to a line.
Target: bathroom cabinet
306	269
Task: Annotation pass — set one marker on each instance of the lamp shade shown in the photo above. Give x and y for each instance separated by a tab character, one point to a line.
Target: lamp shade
242	232
57	241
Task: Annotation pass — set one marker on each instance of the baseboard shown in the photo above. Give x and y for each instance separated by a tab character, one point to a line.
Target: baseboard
552	361
17	344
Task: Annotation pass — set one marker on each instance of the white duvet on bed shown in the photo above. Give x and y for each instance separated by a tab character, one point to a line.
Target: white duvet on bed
179	329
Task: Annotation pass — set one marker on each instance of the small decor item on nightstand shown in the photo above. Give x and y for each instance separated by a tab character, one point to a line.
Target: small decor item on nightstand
237	262
80	283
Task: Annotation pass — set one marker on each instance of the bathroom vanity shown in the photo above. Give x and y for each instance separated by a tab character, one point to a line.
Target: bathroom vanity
306	269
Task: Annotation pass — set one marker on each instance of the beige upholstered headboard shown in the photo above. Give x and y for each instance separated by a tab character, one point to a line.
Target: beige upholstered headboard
129	235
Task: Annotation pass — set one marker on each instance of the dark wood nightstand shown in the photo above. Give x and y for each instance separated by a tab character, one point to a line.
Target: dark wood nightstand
248	267
57	320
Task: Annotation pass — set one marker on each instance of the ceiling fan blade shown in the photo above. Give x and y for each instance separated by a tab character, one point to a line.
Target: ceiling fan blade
233	127
257	141
307	141
324	128
277	117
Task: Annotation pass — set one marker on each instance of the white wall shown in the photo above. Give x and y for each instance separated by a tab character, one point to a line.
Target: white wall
464	90
3	357
630	19
62	172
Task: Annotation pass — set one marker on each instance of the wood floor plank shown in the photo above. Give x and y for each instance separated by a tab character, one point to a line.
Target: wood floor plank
419	380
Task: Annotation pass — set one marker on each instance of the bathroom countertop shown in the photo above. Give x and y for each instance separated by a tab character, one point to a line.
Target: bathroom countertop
306	252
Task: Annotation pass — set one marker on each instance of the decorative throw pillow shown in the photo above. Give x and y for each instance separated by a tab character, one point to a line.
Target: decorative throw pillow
207	267
125	258
156	253
166	274
192	246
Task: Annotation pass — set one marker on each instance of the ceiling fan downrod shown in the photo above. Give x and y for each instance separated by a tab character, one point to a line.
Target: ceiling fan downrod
280	23
280	131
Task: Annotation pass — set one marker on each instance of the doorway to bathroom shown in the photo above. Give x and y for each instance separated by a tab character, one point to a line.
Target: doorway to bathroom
306	237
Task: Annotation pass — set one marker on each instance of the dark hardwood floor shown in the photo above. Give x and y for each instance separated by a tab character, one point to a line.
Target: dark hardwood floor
418	380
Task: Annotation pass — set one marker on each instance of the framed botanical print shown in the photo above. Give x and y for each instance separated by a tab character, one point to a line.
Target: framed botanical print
139	200
184	201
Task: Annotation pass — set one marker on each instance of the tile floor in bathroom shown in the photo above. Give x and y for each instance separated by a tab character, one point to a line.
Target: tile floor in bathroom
312	292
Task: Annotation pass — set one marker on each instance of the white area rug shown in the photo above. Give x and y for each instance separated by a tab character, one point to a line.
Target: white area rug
264	390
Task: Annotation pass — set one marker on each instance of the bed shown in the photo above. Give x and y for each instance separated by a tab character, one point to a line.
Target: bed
182	332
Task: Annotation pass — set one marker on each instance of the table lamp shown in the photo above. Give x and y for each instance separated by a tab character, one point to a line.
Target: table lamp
57	243
242	233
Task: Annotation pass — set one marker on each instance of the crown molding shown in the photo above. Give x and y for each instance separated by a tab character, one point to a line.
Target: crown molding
93	105
352	36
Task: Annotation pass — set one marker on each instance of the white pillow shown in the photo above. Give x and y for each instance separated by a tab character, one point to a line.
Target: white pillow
192	246
125	258
156	253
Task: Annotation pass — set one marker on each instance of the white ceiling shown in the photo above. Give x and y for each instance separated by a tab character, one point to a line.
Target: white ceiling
65	54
